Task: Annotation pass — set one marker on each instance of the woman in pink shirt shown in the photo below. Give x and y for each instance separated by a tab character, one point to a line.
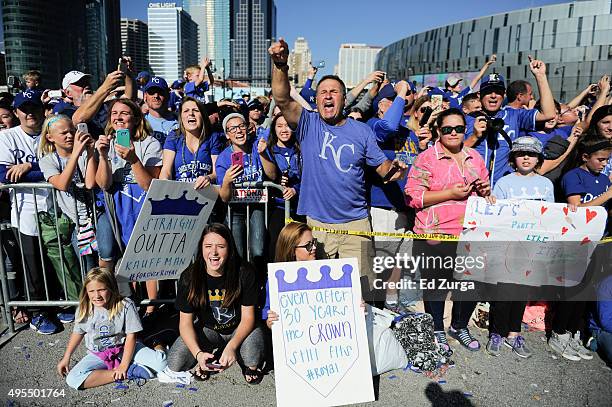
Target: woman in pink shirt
439	183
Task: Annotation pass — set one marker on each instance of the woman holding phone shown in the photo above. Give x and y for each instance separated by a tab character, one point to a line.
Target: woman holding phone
129	160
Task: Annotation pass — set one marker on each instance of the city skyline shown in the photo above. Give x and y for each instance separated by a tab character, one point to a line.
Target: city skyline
325	38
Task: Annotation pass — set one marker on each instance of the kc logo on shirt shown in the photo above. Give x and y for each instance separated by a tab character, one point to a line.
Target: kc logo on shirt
327	143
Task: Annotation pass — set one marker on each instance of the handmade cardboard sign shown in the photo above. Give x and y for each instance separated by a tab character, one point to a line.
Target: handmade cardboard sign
321	355
529	242
167	231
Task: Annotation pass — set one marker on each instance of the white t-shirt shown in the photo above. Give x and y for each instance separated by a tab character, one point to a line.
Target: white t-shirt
17	147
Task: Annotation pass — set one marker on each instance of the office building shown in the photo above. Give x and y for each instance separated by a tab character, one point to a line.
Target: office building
135	43
299	61
213	19
253	28
355	62
71	34
572	38
173	40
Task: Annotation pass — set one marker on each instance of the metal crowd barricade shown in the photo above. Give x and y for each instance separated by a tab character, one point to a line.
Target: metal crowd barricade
258	185
5	301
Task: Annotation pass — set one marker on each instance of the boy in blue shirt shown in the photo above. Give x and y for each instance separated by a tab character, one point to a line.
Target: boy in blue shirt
196	85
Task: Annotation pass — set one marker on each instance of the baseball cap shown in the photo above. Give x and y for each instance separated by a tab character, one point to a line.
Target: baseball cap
527	144
438	91
73	77
310	96
143	74
156	82
453	80
29	96
493	81
386	92
230	117
177	84
255	104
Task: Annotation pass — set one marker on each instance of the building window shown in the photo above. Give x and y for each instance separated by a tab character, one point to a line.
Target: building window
579	32
554	34
495	39
570	14
505	19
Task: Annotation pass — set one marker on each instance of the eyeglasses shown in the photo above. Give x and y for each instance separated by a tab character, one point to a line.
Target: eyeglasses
234	129
446	130
309	245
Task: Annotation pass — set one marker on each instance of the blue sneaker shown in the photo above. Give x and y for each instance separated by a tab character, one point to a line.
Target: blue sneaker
66	317
43	325
136	371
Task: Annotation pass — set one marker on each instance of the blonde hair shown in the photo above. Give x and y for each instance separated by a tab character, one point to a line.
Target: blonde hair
193	69
413	123
47	147
115	302
143	128
288	238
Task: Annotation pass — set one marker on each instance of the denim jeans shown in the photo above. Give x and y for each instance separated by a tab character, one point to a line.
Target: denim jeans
602	343
107	246
257	231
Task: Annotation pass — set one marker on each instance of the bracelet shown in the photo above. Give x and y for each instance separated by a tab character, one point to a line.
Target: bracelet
280	65
196	356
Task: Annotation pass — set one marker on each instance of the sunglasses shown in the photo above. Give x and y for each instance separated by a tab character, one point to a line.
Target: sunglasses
446	130
309	245
424	109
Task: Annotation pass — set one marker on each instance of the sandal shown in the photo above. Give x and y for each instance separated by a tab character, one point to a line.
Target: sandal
20	316
200	375
257	374
465	338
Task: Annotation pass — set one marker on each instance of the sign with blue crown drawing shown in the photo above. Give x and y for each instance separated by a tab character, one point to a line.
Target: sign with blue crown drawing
167	231
321	355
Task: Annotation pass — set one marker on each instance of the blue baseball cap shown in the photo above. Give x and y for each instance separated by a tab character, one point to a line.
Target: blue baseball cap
156	82
143	74
310	95
386	92
32	97
177	84
492	81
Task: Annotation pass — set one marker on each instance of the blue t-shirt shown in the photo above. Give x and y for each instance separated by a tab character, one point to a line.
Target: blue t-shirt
455	101
396	141
516	186
585	183
334	159
175	101
544	137
608	168
197	92
515	120
162	126
288	160
187	166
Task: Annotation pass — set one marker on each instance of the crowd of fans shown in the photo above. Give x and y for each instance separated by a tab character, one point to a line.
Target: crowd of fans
385	156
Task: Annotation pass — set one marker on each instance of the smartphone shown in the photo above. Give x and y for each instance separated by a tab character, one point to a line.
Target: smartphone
82	127
321	65
388	175
237	158
214	365
55	94
121	65
425	117
436	101
123	137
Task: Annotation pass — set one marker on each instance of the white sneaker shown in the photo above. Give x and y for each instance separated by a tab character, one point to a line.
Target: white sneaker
561	345
576	344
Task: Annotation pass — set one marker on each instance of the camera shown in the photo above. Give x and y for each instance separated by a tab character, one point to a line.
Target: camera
494	124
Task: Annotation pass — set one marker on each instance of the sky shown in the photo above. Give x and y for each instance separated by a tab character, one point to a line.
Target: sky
328	23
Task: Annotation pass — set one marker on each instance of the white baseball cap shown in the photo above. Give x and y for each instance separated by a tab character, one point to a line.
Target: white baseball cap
73	77
453	80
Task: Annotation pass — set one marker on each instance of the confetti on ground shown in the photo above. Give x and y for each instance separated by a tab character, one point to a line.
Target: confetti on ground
537	397
16	347
467	394
464	377
112	401
442	381
89	402
51	344
393	377
554	357
168	403
175	392
40	343
534	385
121	386
27	356
193	389
180	386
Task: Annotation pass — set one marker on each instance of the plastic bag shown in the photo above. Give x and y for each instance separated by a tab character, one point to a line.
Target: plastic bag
386	353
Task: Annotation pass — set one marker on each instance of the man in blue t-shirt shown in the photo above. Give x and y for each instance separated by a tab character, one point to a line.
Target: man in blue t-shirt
494	145
156	96
335	154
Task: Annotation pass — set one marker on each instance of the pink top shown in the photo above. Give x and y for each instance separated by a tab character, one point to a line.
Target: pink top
434	170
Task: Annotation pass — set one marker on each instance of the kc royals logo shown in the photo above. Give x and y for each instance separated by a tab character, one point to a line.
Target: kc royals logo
336	153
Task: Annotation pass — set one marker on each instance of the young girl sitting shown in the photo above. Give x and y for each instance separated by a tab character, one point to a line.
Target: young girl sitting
216	298
109	324
505	317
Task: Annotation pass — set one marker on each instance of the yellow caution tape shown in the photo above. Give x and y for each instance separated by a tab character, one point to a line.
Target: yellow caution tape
409	235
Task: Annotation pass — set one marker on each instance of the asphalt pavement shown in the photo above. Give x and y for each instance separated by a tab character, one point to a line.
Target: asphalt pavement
28	362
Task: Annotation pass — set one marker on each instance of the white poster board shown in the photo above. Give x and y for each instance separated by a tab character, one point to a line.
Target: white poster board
529	242
321	355
167	231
